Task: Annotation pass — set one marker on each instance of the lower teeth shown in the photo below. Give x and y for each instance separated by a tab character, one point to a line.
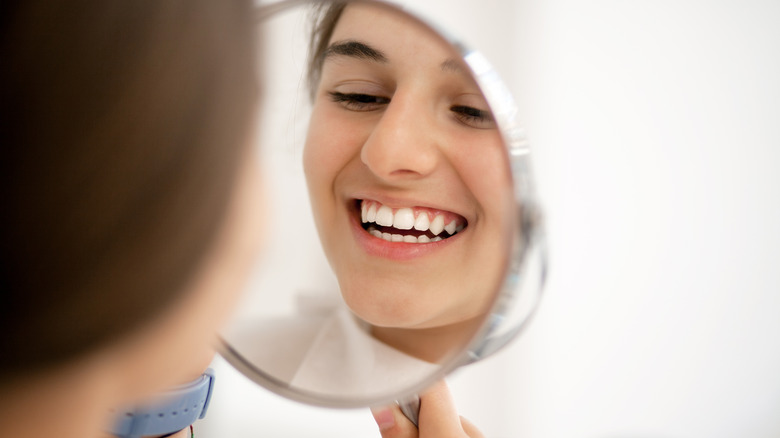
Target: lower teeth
402	237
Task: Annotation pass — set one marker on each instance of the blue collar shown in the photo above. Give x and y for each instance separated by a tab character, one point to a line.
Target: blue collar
173	411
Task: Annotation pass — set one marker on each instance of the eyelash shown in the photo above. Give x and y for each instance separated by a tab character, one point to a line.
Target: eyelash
357	101
470	115
365	102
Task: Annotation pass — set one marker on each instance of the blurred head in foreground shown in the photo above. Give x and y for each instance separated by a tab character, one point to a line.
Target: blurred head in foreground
129	199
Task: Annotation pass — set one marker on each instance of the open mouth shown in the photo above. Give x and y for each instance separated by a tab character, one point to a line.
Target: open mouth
408	224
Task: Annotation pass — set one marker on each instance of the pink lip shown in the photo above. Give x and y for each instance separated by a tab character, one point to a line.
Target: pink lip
398	251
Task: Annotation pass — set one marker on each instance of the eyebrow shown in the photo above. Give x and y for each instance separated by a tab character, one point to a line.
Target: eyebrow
453	65
354	49
361	50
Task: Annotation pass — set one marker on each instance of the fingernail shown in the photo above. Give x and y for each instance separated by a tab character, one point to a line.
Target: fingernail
384	418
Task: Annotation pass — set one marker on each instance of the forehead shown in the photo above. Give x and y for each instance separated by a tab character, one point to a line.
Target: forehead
395	35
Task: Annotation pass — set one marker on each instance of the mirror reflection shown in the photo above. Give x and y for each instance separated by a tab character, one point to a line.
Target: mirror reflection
408	180
378	121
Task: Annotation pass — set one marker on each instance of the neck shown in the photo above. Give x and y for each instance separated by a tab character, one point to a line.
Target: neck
70	401
432	344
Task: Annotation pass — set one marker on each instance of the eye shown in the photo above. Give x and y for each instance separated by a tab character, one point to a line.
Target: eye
473	117
358	101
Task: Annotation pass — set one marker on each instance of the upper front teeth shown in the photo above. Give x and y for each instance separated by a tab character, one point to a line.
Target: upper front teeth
404	219
422	222
384	216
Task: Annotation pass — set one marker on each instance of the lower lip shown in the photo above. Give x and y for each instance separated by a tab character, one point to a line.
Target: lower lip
374	246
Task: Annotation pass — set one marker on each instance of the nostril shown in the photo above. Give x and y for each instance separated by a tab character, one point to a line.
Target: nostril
404	172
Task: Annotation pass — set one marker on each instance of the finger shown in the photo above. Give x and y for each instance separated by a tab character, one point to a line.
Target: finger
438	415
393	423
470	429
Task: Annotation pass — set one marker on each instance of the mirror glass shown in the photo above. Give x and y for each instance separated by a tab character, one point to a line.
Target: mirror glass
399	208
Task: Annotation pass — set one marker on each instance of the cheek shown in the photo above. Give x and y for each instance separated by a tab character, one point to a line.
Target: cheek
332	142
335	136
323	156
483	167
317	164
321	151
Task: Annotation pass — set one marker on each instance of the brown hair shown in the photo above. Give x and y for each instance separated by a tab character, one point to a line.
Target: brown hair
122	124
324	18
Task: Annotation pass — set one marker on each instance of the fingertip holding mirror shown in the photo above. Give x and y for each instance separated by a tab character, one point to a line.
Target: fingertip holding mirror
405	238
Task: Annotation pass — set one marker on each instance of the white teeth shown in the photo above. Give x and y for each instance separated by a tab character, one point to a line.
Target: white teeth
422	222
437	226
401	237
384	216
450	227
404	219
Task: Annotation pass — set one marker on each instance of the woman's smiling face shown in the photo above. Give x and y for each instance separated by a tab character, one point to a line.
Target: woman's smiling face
407	174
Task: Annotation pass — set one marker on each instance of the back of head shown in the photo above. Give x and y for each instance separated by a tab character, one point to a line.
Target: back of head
121	127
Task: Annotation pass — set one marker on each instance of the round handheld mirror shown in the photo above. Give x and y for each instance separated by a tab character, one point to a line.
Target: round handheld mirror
404	237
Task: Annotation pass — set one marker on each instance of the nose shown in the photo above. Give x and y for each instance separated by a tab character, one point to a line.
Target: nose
403	145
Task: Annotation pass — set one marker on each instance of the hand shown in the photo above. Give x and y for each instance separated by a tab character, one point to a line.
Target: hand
438	418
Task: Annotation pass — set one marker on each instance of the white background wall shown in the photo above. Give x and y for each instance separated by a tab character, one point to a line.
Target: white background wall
656	135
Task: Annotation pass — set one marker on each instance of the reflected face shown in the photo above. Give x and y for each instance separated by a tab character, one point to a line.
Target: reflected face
407	174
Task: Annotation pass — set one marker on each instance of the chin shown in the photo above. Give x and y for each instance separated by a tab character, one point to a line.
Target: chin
385	307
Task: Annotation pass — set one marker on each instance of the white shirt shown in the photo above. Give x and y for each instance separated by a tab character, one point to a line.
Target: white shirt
328	354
